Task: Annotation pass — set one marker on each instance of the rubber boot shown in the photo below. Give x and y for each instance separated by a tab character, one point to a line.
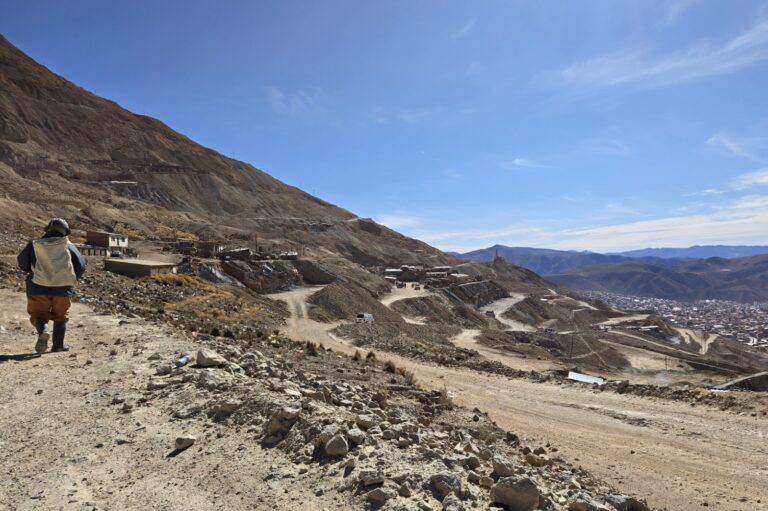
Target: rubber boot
41	346
59	331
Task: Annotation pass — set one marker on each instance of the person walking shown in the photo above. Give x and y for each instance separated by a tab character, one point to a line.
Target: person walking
53	266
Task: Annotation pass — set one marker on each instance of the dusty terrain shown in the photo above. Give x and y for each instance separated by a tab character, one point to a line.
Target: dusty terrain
288	426
68	445
681	456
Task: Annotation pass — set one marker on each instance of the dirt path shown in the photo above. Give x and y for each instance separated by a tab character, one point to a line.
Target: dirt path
403	293
66	445
468	339
675	455
499	307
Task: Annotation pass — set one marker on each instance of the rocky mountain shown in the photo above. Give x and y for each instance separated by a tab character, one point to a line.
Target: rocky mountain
698	252
743	279
66	151
549	262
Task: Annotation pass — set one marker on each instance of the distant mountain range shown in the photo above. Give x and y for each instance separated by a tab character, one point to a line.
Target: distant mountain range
550	262
699	252
743	279
673	273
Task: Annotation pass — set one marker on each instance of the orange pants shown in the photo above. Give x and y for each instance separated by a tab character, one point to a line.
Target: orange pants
48	308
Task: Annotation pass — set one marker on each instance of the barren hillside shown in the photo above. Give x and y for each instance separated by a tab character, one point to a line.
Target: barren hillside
66	150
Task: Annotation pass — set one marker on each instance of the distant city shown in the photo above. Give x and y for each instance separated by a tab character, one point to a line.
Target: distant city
744	322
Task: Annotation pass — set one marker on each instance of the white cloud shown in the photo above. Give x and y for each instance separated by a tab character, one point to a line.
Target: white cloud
733	146
466	29
701	59
741	221
294	103
757	178
522	162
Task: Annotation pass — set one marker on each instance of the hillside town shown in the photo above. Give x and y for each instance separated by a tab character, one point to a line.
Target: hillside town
744	322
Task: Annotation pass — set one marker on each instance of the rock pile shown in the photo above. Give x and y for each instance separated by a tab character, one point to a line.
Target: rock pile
353	428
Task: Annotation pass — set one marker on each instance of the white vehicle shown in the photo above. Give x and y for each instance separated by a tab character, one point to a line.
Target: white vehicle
364	317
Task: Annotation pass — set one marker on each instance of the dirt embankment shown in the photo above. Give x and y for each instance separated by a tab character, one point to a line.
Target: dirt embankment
344	300
436	309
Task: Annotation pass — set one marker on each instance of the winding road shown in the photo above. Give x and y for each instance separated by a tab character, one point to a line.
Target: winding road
676	456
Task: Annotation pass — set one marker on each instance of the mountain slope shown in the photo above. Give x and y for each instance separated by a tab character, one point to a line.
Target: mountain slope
66	151
743	279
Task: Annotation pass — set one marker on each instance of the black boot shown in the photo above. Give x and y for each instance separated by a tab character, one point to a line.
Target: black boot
59	331
42	336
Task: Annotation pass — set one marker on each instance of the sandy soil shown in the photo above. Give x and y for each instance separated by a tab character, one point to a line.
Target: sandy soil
676	455
65	446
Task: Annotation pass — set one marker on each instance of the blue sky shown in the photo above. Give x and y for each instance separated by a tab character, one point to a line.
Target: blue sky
593	125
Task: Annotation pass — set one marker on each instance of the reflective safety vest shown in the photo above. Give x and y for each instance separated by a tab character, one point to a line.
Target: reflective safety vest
53	263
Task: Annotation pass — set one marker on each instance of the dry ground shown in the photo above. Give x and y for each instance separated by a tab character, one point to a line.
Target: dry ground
65	446
678	456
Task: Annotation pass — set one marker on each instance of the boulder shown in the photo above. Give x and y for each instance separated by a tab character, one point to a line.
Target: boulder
502	467
371	477
356	436
337	446
209	358
445	483
516	494
452	503
380	495
536	461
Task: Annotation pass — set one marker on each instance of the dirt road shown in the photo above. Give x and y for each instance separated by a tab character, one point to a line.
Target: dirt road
66	446
677	456
499	307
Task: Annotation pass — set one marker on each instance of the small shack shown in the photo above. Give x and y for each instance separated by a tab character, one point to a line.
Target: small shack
106	239
138	267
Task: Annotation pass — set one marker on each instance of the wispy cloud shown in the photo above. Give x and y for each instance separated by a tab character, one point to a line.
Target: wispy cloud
741	221
751	179
740	183
731	145
466	29
708	191
674	10
295	103
699	60
523	162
